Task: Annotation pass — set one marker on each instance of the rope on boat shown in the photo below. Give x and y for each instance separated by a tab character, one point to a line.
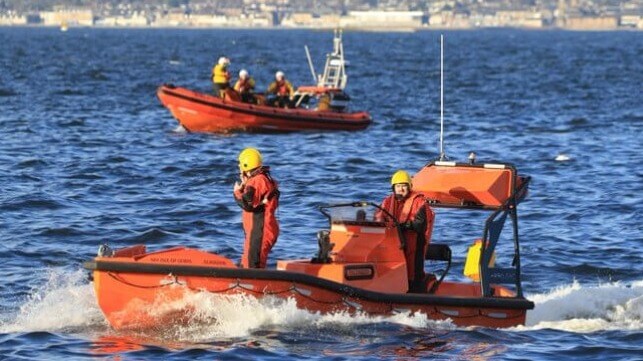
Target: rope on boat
116	278
293	289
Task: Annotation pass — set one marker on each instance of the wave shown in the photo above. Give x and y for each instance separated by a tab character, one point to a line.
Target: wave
583	309
32	201
67	91
7	93
66	303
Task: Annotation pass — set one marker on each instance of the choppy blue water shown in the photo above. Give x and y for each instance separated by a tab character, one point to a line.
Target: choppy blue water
88	156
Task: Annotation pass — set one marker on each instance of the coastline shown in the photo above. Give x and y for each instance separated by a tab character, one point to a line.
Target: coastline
372	29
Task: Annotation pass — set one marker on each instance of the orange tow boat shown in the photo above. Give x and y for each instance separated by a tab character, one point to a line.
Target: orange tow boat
360	266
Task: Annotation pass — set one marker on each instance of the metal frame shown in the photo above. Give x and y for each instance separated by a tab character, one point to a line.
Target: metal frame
490	239
491	233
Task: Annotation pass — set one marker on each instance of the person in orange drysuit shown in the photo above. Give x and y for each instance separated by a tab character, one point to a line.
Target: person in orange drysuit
258	195
245	86
416	218
281	89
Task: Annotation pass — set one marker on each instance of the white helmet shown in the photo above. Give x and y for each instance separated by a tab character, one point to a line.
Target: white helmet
223	60
243	74
279	75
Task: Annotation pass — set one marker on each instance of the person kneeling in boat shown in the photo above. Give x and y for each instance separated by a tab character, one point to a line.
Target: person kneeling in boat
245	86
221	77
281	91
412	212
258	196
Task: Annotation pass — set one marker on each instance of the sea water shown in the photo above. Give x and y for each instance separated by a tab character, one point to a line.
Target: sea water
89	156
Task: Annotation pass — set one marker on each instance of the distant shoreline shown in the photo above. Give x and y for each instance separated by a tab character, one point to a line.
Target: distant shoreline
348	29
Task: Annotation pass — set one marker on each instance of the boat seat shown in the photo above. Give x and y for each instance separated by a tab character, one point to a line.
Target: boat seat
438	252
323	255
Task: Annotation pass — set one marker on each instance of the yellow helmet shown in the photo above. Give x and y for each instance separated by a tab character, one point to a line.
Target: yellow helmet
400	177
249	159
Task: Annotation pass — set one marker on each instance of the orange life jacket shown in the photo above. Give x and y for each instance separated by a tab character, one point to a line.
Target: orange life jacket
416	245
283	87
245	85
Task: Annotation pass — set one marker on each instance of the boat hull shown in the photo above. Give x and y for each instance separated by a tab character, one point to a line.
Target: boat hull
198	112
135	295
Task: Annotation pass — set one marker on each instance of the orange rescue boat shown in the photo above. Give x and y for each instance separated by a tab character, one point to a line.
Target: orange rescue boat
320	107
360	266
199	112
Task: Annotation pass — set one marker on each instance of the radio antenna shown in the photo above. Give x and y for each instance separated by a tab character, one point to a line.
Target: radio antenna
310	64
443	155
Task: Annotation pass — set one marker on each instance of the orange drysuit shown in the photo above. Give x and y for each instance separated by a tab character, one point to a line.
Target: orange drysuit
259	199
416	218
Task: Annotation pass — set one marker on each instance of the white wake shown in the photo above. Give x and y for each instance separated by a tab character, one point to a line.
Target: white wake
578	308
66	303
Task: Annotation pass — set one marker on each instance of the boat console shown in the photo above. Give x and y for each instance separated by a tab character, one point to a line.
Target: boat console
357	250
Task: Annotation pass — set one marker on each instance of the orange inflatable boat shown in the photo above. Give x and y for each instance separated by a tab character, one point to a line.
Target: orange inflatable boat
198	112
360	265
319	107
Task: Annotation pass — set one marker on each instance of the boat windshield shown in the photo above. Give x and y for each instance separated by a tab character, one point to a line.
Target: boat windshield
357	213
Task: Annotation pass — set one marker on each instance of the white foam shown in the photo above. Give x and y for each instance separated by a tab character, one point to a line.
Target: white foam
65	302
179	129
577	308
562	157
232	316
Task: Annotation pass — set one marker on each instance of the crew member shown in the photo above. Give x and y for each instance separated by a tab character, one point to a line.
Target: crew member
221	76
282	89
245	86
258	196
416	219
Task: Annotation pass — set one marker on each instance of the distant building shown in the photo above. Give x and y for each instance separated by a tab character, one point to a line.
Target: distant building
450	19
11	18
203	20
298	19
632	21
519	18
384	15
382	19
71	17
256	20
591	22
174	17
329	21
135	20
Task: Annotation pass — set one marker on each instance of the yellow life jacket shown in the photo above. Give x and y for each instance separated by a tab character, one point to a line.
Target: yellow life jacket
220	74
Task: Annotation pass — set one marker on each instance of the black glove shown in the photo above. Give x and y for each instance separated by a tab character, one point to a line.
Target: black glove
407	226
